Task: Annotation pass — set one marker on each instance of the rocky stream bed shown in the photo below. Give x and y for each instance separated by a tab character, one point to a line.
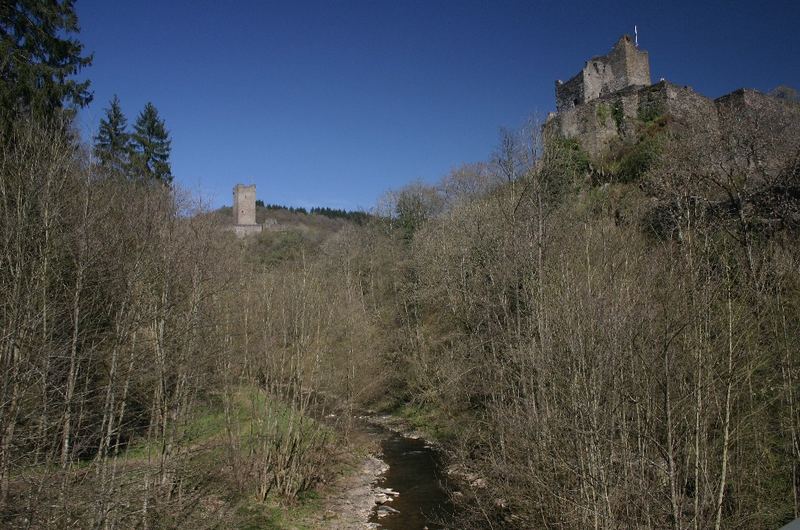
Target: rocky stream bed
400	486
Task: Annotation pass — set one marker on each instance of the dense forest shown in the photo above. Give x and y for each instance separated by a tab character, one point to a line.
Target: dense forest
605	344
356	216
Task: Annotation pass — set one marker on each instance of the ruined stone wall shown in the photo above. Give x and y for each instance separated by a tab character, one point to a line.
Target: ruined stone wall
244	205
684	106
247	230
637	64
598	74
569	94
619	116
752	124
611	101
592	124
624	66
603	121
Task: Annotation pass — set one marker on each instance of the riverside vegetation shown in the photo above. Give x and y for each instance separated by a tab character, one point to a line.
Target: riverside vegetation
595	344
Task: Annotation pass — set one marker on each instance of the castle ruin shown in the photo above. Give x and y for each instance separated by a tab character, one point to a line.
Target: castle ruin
244	210
611	99
624	66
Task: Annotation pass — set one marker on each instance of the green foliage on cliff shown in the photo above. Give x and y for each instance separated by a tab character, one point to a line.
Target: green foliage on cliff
603	112
570	159
649	113
618	113
637	159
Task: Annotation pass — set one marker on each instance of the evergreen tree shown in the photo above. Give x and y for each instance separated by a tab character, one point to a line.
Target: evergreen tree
37	59
112	143
150	147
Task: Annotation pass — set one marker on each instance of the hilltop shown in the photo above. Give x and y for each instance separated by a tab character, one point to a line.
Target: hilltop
612	110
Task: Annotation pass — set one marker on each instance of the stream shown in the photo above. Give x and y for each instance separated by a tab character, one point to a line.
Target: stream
416	475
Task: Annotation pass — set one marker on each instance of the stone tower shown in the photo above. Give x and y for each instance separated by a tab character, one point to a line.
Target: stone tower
244	210
244	204
624	66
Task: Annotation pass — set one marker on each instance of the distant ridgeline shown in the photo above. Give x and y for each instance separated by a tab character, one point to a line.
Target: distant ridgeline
612	102
334	213
247	209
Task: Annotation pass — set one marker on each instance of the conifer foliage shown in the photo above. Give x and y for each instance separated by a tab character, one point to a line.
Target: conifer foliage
112	143
39	58
151	147
141	155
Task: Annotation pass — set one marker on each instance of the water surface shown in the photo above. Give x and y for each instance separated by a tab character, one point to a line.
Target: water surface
416	472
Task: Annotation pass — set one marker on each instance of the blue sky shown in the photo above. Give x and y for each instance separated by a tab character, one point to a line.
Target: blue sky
333	103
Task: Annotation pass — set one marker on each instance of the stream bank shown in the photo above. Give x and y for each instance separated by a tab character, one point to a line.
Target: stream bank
401	485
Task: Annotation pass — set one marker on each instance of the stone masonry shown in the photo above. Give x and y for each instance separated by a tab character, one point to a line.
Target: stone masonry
611	99
624	66
244	210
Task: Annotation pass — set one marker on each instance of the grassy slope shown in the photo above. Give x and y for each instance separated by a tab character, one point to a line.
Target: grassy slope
208	435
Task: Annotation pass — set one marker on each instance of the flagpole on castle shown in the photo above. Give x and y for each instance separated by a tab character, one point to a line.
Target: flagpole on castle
636	35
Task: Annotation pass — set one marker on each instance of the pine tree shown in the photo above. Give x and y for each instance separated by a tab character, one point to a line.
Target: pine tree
37	59
150	147
112	143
